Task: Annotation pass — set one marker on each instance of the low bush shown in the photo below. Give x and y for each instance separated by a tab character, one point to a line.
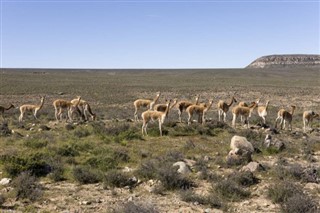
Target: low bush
57	169
190	197
299	203
115	178
171	179
245	178
4	129
281	191
86	175
35	163
26	187
231	191
81	132
291	198
131	207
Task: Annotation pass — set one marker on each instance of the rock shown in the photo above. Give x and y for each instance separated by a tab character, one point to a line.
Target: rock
207	210
44	128
5	181
127	169
183	168
271	142
252	167
190	163
130	199
240	144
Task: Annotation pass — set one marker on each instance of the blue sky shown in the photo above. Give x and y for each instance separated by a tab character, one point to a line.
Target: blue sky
154	34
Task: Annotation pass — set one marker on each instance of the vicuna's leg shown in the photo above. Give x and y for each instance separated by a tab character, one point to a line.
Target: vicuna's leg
21	116
276	123
136	118
189	118
224	116
219	113
35	114
234	120
179	113
160	128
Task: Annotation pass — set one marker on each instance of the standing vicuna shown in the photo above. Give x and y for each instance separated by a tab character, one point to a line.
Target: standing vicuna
243	111
263	111
85	109
31	108
144	103
307	118
183	105
3	109
61	104
200	110
285	116
149	115
223	108
163	107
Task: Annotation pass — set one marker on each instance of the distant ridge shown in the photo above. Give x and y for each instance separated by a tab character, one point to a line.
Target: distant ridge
286	61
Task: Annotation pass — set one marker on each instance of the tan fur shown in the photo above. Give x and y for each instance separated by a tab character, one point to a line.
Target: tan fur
200	110
149	115
163	107
60	105
145	103
243	111
85	109
223	108
183	105
263	111
31	108
285	116
3	109
307	118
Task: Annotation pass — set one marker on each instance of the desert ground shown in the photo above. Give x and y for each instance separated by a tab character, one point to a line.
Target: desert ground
107	165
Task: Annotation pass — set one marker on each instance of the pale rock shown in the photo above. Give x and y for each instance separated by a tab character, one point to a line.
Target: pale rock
183	168
5	181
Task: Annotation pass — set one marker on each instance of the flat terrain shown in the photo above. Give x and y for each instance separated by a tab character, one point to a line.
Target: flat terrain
114	143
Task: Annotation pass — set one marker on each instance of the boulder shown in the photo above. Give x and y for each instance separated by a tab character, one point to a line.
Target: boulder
252	167
183	168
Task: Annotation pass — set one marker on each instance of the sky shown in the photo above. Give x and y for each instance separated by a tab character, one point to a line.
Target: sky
154	33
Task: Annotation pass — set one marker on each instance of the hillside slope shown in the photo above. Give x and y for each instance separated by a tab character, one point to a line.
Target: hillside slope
290	61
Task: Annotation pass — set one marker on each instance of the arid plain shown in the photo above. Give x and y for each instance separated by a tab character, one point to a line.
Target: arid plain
108	166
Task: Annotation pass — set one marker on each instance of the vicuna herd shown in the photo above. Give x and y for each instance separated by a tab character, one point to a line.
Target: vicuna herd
160	112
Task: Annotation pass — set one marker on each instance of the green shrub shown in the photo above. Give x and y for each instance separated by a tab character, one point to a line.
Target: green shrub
190	197
131	207
26	187
231	191
280	192
35	143
81	132
57	169
67	150
115	178
171	179
34	163
299	203
244	178
148	169
86	174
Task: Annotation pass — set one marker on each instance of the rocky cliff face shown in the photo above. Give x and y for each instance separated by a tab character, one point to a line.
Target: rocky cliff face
279	61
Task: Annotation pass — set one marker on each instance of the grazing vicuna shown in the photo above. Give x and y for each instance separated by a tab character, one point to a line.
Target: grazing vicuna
243	111
285	116
144	103
3	109
183	105
31	108
151	115
61	104
307	118
85	109
223	108
200	110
